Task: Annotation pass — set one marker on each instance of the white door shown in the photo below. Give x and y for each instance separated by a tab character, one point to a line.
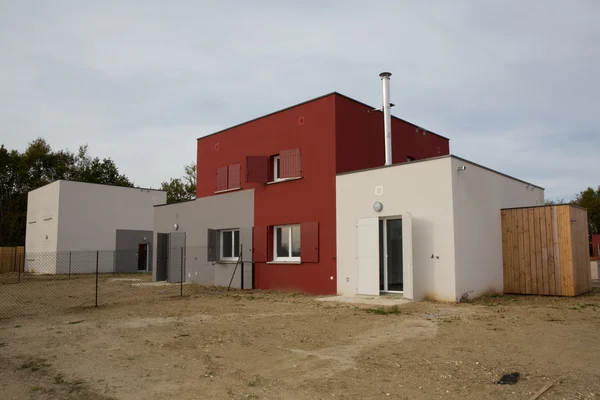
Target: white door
407	255
367	252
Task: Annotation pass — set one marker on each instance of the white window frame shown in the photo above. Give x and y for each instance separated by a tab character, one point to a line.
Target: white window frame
221	241
276	169
289	258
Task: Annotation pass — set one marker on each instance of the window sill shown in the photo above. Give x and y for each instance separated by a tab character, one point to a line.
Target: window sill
226	261
284	262
284	180
228	190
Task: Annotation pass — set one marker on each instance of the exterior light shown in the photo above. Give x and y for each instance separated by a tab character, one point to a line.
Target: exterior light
377	206
176	226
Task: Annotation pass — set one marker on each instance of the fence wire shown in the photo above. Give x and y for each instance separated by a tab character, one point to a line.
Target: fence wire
70	281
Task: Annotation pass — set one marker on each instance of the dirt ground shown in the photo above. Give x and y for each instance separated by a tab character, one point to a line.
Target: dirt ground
261	345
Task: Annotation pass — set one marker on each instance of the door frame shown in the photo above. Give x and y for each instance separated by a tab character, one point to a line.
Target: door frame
385	255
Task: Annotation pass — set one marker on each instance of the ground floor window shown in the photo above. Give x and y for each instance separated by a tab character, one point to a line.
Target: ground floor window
286	246
230	244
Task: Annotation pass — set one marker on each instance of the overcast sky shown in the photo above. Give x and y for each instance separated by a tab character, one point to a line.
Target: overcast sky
513	84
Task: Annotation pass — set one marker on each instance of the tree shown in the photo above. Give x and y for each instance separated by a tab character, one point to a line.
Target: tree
37	166
590	199
183	188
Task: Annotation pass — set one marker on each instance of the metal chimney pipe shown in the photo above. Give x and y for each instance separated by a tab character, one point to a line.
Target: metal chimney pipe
387	116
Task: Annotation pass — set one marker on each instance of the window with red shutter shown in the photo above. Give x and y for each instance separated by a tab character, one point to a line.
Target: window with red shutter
221	178
290	164
257	169
309	241
233	181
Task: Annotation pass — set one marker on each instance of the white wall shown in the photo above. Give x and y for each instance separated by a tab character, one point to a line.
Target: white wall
595	269
90	214
478	196
423	189
42	228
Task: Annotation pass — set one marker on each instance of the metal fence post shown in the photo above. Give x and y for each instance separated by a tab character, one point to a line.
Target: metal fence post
181	275
70	264
20	273
15	261
97	257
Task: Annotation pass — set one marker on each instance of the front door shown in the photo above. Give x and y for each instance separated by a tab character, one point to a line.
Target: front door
142	257
391	266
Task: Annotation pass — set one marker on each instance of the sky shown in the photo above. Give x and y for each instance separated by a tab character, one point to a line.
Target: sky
514	84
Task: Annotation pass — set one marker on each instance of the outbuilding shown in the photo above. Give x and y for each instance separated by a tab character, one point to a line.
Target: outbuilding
72	226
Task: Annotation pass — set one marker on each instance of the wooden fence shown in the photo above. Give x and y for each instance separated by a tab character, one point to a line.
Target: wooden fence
12	259
545	250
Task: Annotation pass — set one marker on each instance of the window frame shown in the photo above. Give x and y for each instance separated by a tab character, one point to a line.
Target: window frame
276	168
221	241
289	258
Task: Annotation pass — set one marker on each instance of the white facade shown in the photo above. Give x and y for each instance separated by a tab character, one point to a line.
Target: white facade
66	216
451	227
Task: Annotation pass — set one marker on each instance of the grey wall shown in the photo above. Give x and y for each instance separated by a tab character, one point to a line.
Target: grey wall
224	211
89	214
126	246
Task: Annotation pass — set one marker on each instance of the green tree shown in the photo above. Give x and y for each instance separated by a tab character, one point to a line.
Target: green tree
590	199
183	188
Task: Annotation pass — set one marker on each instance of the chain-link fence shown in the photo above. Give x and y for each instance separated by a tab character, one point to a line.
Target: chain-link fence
62	282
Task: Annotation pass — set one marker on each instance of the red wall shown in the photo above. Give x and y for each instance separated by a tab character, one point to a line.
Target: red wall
310	127
360	141
595	244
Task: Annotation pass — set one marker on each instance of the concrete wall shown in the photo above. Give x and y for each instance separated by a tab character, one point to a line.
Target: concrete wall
595	269
423	189
42	228
127	249
224	211
478	195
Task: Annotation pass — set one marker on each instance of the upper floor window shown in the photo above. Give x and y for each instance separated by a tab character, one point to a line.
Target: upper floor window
283	166
228	178
286	246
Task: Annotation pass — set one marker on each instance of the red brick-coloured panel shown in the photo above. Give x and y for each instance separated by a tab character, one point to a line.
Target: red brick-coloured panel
290	162
234	180
257	169
309	242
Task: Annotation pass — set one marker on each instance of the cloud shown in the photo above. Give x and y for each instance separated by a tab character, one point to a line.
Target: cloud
512	84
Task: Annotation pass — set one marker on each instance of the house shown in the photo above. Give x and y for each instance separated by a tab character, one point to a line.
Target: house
289	159
428	229
71	224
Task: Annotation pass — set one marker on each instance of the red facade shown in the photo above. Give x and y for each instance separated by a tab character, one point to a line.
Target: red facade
290	158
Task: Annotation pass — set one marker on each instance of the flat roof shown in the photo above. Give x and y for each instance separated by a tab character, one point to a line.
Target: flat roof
101	184
310	101
438	158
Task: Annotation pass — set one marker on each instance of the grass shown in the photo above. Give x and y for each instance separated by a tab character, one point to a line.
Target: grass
383	311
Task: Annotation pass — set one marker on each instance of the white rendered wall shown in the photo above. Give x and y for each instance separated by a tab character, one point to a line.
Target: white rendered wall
478	196
42	228
423	189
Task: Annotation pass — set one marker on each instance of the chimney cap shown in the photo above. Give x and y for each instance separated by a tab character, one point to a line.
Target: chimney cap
385	74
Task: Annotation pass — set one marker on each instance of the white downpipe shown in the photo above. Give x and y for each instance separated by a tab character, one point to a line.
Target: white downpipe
387	116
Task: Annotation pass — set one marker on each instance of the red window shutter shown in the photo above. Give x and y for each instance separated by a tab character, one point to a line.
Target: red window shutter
221	178
234	177
290	163
257	169
259	244
309	242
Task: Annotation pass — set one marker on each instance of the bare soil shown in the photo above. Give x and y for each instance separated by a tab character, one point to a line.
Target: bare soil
241	345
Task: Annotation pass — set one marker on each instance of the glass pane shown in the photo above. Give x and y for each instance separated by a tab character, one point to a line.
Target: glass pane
236	244
394	251
226	244
295	240
277	168
381	257
283	242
